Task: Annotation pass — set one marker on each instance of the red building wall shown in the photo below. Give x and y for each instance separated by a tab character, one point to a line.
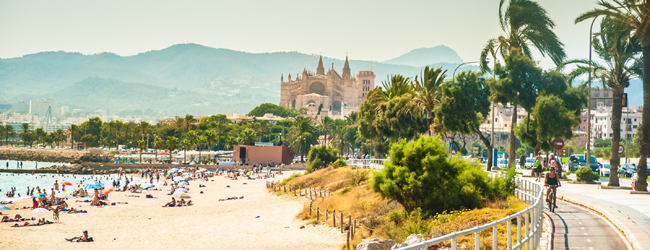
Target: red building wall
257	155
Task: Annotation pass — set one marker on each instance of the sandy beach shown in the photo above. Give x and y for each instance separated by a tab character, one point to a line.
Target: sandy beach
259	221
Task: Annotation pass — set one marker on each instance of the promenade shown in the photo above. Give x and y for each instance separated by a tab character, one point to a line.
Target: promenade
630	213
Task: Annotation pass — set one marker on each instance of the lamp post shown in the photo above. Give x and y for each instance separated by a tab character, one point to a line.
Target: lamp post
453	76
589	102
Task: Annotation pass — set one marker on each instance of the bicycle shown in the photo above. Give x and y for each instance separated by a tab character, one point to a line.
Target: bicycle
551	198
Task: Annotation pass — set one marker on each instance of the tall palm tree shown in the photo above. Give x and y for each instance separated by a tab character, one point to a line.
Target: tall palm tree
191	136
525	23
72	129
427	91
220	129
189	119
142	146
180	122
326	125
3	130
211	136
9	132
247	136
25	127
230	142
200	141
171	144
185	143
618	56
635	14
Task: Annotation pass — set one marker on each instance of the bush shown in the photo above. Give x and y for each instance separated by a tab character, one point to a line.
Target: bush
585	174
414	223
358	176
320	156
339	163
114	152
419	175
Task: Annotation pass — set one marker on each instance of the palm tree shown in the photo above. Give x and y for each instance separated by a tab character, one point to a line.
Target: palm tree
339	139
635	14
179	125
618	54
9	132
230	142
142	146
326	124
525	23
185	143
261	127
200	141
220	129
247	136
25	127
71	130
171	144
41	134
189	119
427	91
211	136
3	130
191	136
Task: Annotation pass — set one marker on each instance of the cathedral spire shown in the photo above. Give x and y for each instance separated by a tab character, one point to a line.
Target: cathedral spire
346	69
320	70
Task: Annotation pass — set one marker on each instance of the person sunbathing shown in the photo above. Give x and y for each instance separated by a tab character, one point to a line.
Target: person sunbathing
189	203
181	203
171	204
76	211
82	238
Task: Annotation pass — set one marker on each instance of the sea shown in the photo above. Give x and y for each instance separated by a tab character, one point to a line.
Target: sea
44	181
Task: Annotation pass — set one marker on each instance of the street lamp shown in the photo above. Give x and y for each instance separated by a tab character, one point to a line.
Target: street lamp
589	102
453	76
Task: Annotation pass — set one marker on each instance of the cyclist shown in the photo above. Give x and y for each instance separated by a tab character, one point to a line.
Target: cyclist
552	178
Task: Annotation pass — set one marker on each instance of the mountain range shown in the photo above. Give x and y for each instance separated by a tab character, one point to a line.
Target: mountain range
181	78
189	78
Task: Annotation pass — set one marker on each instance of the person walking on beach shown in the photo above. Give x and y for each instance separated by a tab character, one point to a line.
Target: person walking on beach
56	185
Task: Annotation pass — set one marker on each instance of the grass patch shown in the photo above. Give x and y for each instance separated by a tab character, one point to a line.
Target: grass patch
377	218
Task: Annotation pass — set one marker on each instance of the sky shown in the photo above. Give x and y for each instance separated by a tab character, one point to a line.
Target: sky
365	30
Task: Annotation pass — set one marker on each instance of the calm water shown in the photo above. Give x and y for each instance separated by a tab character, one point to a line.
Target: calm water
7	164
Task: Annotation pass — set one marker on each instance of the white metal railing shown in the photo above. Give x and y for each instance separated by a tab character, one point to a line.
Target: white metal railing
375	164
531	227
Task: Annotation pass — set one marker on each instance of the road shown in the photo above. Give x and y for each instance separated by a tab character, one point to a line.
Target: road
577	228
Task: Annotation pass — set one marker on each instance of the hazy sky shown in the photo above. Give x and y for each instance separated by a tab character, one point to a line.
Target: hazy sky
377	29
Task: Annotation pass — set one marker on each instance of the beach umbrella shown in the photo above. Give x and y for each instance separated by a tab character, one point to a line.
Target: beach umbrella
187	174
249	173
40	210
178	178
101	194
4	208
108	190
181	190
97	185
182	184
182	170
39	195
163	153
66	183
148	186
182	196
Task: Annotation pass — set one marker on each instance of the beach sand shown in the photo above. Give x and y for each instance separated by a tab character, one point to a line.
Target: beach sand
209	224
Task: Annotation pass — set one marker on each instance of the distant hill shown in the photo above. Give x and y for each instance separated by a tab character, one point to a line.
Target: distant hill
233	81
427	56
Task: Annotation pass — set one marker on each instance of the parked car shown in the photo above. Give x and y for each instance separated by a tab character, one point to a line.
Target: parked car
604	169
626	170
576	161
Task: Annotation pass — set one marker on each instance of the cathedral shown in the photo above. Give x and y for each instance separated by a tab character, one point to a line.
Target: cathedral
327	94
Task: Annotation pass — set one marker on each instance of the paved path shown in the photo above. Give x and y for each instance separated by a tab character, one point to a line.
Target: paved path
629	212
576	228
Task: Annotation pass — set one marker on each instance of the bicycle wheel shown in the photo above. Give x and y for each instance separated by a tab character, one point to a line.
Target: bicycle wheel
551	203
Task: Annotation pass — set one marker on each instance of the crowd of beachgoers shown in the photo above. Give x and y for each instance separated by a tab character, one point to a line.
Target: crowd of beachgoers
63	195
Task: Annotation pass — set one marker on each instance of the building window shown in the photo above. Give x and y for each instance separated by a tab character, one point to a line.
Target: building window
634	126
610	134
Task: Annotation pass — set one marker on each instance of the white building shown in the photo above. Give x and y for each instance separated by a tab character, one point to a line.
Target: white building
602	122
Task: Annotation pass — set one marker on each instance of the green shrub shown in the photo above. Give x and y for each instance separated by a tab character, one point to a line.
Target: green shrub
419	175
114	152
345	190
396	217
585	174
339	163
320	156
